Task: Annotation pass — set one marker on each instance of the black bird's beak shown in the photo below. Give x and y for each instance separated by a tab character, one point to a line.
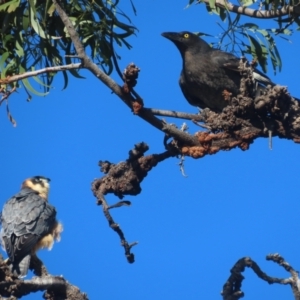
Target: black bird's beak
172	36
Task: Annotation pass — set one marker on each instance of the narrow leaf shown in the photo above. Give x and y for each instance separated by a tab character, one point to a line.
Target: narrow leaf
10	117
133	8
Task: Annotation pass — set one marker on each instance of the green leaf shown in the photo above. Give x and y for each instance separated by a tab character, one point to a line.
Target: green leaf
287	32
8	42
35	22
40	82
133	8
25	21
51	10
250	25
212	4
19	48
15	4
3	59
247	2
279	61
191	2
10	6
9	115
223	14
66	80
28	86
9	66
84	40
31	89
257	52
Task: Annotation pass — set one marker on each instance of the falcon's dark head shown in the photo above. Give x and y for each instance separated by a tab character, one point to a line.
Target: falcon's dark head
187	42
40	184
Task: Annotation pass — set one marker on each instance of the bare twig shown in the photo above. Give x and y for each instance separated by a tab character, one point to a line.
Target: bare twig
18	77
116	227
176	114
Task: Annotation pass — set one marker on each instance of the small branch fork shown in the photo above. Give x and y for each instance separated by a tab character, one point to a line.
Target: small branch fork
55	287
123	179
232	287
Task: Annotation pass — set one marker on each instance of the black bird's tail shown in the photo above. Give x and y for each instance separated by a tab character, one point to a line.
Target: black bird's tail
20	268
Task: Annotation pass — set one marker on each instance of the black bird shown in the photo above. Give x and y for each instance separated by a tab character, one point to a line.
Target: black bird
208	72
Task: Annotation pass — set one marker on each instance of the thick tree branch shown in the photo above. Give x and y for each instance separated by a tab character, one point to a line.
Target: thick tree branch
55	287
254	13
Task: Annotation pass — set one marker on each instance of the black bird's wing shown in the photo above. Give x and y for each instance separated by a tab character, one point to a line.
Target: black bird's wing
26	217
231	62
225	60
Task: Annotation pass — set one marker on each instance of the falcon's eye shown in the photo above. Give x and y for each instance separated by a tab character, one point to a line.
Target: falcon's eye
186	35
36	180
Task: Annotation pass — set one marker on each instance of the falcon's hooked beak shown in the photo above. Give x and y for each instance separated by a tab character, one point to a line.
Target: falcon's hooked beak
40	184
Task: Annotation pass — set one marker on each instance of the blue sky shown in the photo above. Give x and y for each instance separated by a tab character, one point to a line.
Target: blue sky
190	230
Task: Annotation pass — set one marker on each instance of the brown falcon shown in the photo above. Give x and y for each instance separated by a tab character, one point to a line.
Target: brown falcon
28	224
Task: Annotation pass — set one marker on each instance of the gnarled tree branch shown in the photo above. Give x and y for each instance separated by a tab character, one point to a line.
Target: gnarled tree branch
232	287
123	179
254	13
55	287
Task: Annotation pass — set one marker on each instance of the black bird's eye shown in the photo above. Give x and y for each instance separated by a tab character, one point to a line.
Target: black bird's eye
186	35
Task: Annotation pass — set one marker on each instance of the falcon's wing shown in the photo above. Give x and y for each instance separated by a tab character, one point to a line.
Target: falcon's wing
26	217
